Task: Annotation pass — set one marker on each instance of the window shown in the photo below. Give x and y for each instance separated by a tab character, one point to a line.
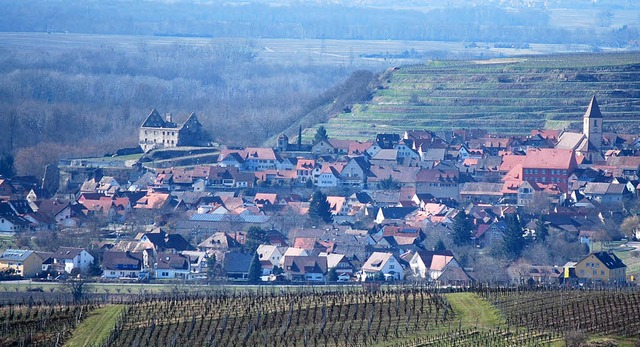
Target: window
390	266
582	272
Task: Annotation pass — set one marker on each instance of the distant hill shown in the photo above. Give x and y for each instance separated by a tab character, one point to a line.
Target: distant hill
510	96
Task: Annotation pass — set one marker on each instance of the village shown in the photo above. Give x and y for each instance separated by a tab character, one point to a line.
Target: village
446	208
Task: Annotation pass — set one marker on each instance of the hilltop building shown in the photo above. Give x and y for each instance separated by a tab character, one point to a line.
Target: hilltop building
158	132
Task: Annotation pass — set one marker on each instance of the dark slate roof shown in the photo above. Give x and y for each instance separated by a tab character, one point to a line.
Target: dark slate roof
387	141
237	262
593	111
610	260
170	261
164	241
299	265
68	252
21	206
154	120
52	207
121	261
397	212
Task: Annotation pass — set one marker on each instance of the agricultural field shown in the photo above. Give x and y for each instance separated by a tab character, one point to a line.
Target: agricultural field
40	324
332	316
508	96
371	316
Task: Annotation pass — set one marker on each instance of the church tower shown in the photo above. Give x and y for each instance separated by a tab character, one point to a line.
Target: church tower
592	124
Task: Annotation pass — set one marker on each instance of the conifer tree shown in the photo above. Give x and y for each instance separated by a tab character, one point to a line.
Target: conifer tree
321	134
514	240
255	269
319	208
461	229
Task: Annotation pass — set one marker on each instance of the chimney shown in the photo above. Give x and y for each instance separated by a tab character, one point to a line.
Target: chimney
168	117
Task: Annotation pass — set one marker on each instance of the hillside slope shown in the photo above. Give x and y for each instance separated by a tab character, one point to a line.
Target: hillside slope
510	96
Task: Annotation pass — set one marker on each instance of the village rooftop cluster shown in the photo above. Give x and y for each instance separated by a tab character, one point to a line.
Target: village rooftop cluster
400	207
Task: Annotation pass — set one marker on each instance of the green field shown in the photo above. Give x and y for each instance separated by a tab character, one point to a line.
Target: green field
509	96
96	327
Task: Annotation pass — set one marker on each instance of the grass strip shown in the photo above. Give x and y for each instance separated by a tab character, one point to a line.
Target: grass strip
96	327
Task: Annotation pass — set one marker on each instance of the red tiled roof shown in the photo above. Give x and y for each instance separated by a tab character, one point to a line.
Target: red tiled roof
549	158
510	161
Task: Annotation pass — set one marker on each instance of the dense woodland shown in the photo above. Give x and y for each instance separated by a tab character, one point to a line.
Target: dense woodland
91	101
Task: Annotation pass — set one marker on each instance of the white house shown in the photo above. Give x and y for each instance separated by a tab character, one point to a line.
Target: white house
328	177
70	258
440	267
198	263
269	253
170	265
381	263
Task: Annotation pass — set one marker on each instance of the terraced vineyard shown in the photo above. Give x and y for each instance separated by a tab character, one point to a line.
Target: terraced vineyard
509	96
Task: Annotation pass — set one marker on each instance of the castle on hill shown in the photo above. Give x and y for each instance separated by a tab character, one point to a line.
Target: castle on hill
158	132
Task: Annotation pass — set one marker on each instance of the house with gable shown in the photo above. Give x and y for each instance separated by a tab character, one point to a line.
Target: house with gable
172	265
10	221
219	243
341	263
6	188
25	263
271	254
116	264
440	267
605	193
304	169
163	242
338	205
323	147
305	268
601	267
59	210
329	176
391	214
381	265
355	172
70	258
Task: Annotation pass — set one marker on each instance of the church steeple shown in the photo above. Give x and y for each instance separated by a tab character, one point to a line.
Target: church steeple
592	124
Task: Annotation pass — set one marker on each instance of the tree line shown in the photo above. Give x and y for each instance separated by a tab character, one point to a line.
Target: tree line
300	21
72	102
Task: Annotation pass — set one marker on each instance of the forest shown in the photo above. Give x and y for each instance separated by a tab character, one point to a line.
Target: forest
69	102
